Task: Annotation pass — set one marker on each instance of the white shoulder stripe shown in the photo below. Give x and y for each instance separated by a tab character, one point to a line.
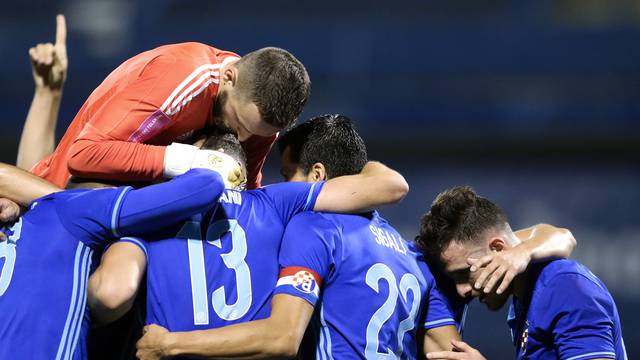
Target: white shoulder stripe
179	98
203	68
207	77
229	59
194	94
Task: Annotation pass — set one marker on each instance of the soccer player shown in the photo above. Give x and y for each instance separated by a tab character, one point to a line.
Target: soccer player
125	129
224	265
495	271
47	258
560	309
376	293
279	335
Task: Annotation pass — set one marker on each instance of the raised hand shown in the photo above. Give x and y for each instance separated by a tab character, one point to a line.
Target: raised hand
49	61
499	268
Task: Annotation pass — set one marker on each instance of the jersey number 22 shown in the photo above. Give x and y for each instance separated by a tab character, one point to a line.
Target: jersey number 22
408	282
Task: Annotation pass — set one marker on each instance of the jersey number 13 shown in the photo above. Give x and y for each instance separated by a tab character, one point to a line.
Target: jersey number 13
234	260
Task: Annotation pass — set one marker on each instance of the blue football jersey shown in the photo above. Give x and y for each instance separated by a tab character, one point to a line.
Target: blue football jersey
45	267
222	266
373	288
46	261
568	314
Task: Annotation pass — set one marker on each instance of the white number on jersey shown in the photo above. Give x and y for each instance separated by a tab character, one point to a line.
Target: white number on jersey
234	260
408	282
8	252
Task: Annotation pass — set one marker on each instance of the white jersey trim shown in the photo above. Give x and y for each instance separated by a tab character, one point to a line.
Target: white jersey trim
180	95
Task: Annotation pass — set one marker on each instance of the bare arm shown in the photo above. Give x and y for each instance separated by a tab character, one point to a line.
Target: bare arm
115	283
49	66
376	185
545	242
21	186
439	339
277	336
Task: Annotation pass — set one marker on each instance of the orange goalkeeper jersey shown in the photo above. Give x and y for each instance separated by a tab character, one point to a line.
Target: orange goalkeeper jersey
155	98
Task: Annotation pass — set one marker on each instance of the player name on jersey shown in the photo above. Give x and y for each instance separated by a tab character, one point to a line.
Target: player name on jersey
231	197
386	239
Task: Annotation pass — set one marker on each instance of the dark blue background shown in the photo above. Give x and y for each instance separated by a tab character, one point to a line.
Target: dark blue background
533	102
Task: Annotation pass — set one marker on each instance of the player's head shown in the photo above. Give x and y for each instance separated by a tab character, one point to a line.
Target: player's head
322	148
228	144
262	93
462	225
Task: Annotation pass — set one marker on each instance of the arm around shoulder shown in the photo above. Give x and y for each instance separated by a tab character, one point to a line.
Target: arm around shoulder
21	186
376	185
277	336
547	241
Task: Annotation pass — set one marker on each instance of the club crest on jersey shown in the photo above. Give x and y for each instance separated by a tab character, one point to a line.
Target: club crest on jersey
304	281
524	338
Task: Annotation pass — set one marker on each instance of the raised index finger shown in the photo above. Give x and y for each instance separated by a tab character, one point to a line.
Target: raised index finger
61	30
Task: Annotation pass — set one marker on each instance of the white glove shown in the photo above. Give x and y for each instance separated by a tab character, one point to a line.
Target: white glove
180	158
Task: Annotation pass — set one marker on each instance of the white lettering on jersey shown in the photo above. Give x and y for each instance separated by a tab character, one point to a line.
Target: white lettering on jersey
388	240
231	197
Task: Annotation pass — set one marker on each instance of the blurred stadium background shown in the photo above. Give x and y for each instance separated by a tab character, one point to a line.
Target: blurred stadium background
535	103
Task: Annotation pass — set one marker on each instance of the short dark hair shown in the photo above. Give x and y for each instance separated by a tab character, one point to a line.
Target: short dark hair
276	82
228	142
457	214
331	140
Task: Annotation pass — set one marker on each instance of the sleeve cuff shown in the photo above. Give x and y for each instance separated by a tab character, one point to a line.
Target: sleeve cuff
438	323
135	241
314	191
115	214
311	298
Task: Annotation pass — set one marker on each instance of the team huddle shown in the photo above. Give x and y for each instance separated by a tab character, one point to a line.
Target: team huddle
154	195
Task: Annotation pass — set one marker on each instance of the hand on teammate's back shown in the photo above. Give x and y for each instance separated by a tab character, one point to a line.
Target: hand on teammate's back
498	269
9	211
150	346
461	351
49	61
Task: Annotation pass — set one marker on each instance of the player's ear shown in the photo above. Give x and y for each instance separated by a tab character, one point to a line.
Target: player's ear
317	173
497	244
228	75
